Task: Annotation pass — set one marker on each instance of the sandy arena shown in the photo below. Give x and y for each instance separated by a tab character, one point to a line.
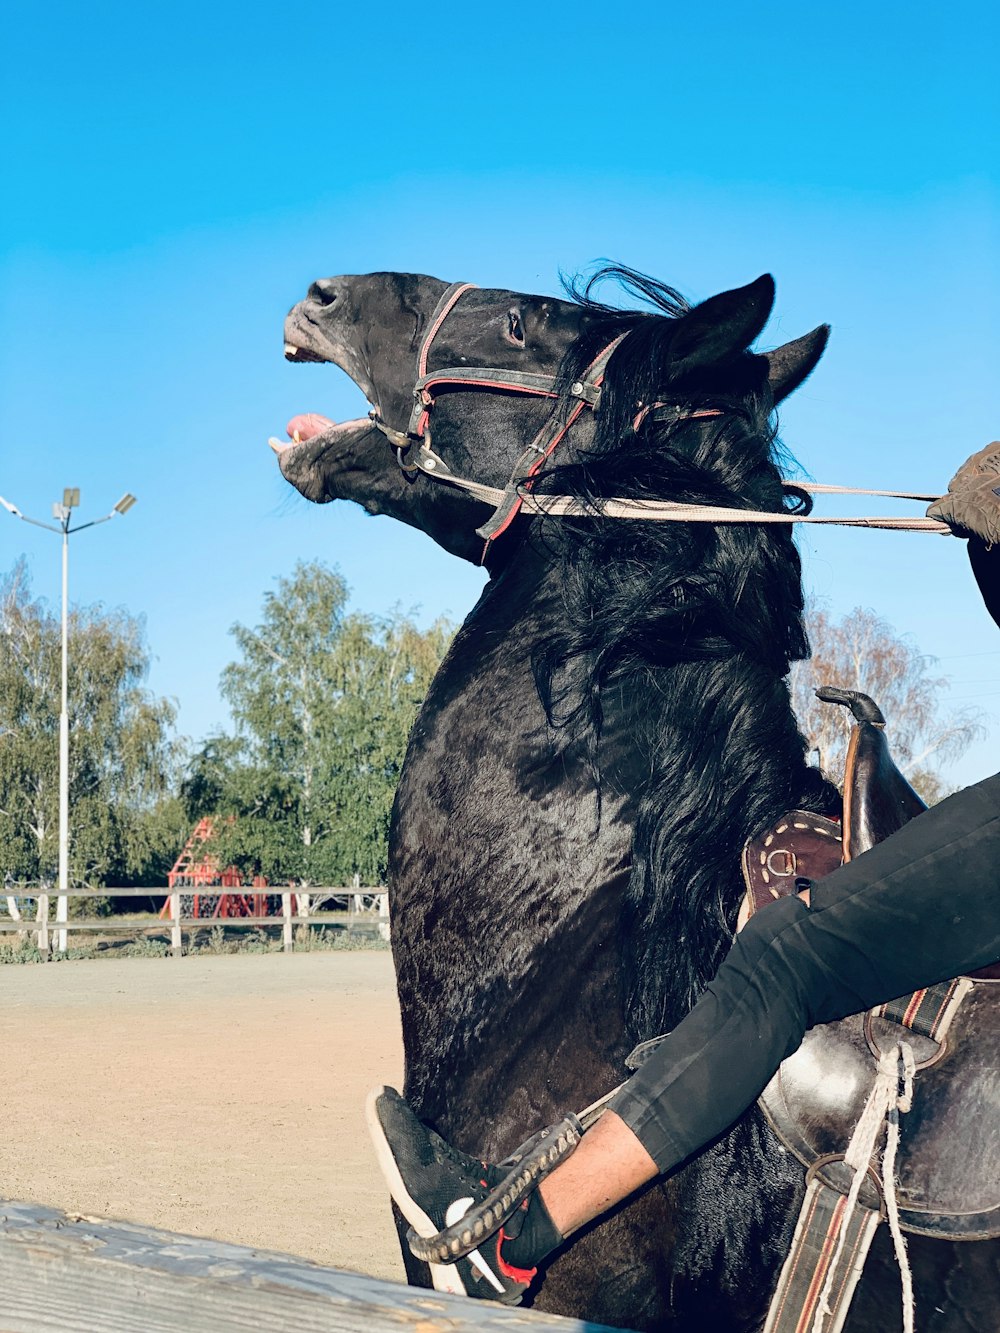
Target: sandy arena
219	1096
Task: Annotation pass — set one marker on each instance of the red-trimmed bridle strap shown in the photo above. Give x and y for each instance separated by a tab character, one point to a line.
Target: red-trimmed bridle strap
533	383
449	299
670	412
587	391
466	377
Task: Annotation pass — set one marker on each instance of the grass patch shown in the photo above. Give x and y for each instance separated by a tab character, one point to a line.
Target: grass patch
317	939
143	947
19	951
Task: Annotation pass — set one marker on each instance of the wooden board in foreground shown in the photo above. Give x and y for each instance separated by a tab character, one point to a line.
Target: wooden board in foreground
61	1273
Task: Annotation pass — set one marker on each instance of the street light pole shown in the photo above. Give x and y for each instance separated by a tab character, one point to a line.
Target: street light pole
62	903
63	514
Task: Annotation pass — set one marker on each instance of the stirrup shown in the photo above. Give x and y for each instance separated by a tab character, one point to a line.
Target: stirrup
531	1163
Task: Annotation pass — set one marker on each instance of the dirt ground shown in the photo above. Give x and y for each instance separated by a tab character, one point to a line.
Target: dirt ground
219	1096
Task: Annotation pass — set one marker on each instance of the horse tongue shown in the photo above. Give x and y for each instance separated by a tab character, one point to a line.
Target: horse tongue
308	424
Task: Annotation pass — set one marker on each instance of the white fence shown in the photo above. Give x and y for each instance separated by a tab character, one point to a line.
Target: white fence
303	907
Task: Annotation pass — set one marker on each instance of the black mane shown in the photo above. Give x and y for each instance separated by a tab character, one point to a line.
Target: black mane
711	615
650	290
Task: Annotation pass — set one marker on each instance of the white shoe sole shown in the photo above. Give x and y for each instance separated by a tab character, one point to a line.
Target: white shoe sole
445	1277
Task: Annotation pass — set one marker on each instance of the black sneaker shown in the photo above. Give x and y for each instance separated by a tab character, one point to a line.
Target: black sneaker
434	1186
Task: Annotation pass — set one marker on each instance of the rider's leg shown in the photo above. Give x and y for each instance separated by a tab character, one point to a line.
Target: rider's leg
921	907
607	1166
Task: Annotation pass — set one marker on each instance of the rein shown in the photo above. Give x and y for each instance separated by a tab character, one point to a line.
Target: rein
509	500
569	506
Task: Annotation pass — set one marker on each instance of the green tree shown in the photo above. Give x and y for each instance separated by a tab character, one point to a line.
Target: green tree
323	702
122	756
863	652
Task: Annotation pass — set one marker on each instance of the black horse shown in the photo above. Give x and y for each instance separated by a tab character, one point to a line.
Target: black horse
610	725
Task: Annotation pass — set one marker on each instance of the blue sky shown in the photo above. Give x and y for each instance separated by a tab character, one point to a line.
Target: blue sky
173	179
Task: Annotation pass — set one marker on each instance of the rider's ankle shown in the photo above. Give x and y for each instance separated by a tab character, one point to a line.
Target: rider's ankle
530	1235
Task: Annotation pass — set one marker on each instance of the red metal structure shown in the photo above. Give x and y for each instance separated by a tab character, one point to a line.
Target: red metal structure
198	869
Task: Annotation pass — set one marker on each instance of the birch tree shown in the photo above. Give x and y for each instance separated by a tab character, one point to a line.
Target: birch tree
863	652
323	702
122	754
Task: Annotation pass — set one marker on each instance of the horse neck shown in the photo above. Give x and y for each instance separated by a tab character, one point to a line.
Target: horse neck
717	736
688	762
699	756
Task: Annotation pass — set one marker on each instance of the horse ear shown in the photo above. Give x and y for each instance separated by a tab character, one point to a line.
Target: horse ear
790	364
723	326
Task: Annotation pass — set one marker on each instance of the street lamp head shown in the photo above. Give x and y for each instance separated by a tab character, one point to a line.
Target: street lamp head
125	503
13	509
71	497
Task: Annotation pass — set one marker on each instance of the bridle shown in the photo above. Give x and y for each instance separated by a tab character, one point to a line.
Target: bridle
415	454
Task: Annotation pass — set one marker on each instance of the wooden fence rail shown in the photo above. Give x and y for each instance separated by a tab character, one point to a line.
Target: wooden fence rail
64	1273
43	929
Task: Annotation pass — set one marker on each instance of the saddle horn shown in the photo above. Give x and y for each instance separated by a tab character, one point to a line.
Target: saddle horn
863	706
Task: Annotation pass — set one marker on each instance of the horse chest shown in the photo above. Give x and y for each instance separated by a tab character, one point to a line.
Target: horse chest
506	878
495	799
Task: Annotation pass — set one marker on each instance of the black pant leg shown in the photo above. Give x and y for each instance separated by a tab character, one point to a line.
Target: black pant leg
920	907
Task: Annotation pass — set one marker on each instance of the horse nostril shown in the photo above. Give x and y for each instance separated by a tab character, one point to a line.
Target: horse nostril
324	292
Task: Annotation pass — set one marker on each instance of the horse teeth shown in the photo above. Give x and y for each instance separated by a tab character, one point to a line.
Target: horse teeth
296	437
290	349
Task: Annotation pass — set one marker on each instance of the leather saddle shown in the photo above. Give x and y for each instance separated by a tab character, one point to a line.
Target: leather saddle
948	1165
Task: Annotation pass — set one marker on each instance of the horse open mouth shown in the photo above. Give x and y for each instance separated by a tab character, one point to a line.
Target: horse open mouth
308	427
313	427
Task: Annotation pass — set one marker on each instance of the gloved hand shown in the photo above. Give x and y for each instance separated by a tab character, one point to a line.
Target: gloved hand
972	505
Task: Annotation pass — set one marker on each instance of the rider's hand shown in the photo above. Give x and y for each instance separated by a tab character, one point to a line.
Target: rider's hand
972	505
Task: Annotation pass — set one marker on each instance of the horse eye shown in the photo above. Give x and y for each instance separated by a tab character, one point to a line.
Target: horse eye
515	329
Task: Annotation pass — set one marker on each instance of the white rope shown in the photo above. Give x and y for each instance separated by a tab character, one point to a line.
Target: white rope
904	1100
886	1100
819	488
674	511
678	512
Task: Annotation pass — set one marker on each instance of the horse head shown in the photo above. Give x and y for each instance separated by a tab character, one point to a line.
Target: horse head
372	327
387	329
